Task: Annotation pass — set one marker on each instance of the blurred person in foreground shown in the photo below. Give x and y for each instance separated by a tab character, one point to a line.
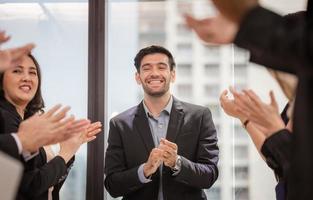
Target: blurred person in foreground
258	117
281	43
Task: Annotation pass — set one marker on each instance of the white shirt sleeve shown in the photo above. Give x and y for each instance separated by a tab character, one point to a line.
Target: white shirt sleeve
26	154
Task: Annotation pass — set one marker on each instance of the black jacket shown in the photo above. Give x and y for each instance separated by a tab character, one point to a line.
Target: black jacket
130	143
8	145
287	45
7	142
38	175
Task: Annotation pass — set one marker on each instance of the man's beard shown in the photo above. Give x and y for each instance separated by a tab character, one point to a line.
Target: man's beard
156	93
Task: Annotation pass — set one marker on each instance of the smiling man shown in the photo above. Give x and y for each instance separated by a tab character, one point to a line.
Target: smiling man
162	148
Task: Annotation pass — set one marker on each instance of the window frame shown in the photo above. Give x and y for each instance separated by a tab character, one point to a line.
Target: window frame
96	96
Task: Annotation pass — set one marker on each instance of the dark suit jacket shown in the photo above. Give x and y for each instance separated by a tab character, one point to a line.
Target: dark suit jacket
9	146
279	161
287	45
130	143
38	175
7	142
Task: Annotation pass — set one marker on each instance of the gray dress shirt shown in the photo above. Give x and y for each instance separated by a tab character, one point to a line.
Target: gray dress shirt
158	126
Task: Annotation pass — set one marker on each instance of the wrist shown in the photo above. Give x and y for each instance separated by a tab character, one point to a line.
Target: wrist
177	164
276	124
66	156
146	171
274	129
25	146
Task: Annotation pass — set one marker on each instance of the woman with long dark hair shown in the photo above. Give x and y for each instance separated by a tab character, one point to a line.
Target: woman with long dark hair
20	98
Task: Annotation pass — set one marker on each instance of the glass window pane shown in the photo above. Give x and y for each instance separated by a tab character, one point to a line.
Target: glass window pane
212	91
184	49
241	173
240	132
211	51
212	70
184	90
203	71
241	152
183	31
151	23
184	70
214	193
241	70
241	193
60	31
215	110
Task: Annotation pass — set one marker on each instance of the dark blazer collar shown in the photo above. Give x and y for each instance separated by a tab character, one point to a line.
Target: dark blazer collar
142	124
176	119
177	107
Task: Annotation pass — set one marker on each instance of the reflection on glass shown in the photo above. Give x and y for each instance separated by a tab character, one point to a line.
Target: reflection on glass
60	33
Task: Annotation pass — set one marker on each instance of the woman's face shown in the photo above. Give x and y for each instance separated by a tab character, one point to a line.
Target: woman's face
21	83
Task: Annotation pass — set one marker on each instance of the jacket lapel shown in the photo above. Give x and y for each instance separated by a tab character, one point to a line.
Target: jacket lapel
143	128
176	119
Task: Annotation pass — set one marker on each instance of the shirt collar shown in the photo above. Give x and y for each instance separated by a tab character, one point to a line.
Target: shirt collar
167	108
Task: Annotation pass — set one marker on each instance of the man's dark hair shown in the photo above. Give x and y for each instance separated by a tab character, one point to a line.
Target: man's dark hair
153	50
36	104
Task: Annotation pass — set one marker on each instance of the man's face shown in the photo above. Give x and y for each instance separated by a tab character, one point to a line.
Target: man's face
155	74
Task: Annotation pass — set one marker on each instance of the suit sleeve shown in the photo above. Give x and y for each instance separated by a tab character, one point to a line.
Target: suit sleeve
43	175
57	187
277	150
204	172
119	180
276	42
9	146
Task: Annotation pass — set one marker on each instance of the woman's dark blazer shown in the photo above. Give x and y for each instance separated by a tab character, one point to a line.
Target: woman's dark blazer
38	175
